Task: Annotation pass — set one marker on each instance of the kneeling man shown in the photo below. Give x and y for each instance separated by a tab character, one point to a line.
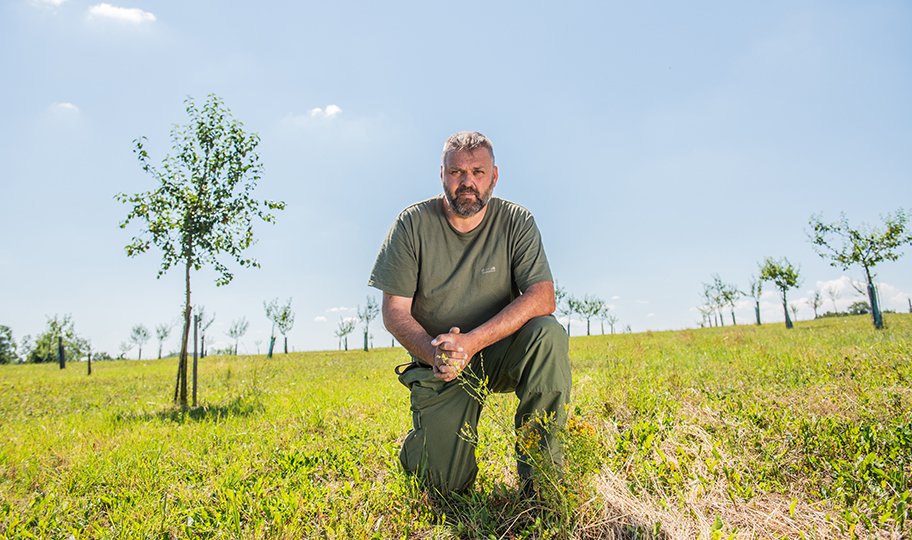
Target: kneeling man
466	286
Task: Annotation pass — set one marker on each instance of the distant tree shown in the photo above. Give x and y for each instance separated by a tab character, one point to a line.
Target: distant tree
257	343
858	308
706	312
237	330
8	353
369	313
139	335
713	299
815	301
285	322
756	290
865	246
565	304
282	317
604	315
346	327
611	320
204	323
574	305
589	307
125	347
162	332
272	312
794	307
59	331
202	205
784	276
727	294
833	293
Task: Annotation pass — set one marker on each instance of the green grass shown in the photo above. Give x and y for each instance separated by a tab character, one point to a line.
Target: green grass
744	431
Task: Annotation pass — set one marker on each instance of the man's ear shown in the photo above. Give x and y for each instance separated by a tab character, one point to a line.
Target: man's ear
493	177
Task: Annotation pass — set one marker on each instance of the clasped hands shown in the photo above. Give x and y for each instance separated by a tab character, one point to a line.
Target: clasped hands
453	352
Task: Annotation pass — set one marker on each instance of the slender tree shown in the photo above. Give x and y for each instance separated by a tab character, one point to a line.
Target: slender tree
846	246
237	330
784	276
285	319
755	288
833	293
202	206
8	353
369	313
162	332
611	320
202	324
346	327
727	294
589	307
815	301
272	311
565	304
139	335
794	307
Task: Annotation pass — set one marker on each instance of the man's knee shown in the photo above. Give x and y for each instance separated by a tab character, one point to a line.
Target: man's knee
545	329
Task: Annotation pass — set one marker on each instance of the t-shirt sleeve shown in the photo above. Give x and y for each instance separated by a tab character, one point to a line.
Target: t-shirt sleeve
530	264
396	269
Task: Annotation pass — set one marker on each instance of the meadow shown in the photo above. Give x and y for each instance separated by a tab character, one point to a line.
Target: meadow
732	432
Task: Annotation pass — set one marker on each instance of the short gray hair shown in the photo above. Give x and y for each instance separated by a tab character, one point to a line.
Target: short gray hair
466	140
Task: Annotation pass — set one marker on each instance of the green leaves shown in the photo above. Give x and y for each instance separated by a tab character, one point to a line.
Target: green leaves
202	208
866	246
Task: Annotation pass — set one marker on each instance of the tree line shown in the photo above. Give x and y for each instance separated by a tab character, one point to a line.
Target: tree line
843	245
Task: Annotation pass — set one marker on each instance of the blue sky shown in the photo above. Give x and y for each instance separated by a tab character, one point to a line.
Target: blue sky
656	143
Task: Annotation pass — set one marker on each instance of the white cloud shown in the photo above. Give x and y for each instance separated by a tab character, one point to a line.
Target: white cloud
328	112
339	309
130	15
320	318
64	106
615	297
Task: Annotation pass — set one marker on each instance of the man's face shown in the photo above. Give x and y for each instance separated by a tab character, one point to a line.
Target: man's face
468	177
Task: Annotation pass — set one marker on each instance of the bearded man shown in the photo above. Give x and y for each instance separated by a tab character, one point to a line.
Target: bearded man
468	291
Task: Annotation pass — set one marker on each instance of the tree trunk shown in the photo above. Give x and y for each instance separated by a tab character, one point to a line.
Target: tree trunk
788	320
733	318
90	361
365	339
271	346
286	343
587	328
757	311
61	356
196	324
568	325
140	353
875	305
159	350
180	391
202	341
346	342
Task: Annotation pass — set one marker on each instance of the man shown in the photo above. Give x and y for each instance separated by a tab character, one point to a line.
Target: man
466	286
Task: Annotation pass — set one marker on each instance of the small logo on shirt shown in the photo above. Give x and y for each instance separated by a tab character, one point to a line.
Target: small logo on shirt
489	270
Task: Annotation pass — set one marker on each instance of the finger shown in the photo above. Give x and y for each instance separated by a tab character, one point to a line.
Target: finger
454	330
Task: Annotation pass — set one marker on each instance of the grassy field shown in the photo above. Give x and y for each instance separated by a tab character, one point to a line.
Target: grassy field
736	432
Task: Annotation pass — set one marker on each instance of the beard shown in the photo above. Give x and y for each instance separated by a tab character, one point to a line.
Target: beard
467	201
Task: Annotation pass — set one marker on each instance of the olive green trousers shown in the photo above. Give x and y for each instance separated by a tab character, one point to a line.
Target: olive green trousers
534	363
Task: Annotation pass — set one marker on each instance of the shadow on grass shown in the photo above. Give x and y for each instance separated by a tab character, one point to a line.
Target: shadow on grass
504	513
240	406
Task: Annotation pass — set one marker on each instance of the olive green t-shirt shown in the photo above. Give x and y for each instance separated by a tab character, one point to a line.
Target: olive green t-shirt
460	279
